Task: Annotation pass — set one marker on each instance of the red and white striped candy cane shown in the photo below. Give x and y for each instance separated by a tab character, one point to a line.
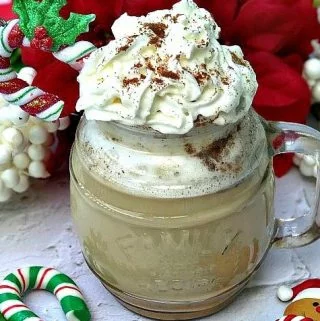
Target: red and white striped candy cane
31	99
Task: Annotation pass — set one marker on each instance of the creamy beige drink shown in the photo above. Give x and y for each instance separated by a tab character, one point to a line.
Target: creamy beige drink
157	221
172	188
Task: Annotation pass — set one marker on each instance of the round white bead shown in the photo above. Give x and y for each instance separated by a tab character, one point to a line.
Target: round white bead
38	135
38	170
5	194
5	154
21	161
12	136
309	160
316	91
36	152
312	68
64	123
311	82
52	127
297	159
306	169
10	177
284	293
23	184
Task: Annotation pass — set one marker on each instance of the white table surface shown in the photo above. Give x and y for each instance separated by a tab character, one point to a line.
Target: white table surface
36	229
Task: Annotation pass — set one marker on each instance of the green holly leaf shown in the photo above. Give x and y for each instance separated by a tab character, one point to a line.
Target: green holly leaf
46	14
316	3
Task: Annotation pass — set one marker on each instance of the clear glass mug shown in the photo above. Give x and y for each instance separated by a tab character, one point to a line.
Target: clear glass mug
175	226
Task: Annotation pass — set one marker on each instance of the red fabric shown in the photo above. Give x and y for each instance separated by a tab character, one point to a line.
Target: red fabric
275	36
6	12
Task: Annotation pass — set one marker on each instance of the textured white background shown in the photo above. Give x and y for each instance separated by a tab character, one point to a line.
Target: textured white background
36	229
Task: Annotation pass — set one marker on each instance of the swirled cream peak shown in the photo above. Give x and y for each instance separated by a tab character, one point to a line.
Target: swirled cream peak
166	69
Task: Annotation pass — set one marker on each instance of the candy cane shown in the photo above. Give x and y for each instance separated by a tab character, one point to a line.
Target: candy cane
31	99
40	278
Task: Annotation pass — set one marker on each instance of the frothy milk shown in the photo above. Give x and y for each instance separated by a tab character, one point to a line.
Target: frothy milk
208	160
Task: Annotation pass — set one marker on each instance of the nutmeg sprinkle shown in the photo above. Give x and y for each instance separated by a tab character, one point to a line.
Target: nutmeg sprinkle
167	73
158	29
132	81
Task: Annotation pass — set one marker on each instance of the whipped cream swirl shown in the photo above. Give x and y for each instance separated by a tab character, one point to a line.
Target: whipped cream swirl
165	70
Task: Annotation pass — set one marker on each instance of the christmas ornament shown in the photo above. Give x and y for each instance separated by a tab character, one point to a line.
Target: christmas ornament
16	284
305	305
40	26
25	144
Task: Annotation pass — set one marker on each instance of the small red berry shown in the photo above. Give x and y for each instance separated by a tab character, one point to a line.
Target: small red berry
16	36
40	32
46	44
42	44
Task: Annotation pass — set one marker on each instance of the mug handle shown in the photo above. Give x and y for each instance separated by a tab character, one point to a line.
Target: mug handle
286	137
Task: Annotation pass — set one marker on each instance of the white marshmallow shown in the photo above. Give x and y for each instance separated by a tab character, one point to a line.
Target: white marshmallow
10	177
312	68
23	184
21	161
309	160
306	169
38	135
5	154
36	152
38	170
316	91
12	136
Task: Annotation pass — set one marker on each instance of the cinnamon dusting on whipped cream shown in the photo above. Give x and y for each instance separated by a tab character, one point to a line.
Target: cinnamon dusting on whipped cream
167	68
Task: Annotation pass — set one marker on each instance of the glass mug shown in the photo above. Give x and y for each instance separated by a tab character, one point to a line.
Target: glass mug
175	225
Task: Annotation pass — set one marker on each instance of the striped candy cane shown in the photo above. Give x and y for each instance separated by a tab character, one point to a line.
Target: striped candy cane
31	99
16	284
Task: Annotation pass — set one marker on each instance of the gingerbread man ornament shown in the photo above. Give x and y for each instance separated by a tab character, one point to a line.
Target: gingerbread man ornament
305	305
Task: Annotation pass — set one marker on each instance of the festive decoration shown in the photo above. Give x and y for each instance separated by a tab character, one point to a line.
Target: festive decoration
307	164
311	73
41	22
26	145
16	284
40	27
305	305
31	99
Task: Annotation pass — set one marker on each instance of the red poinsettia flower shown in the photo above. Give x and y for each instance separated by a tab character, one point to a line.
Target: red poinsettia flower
274	35
5	10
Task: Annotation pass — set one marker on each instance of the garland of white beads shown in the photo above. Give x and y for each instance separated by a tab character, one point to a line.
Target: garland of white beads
24	144
311	73
306	164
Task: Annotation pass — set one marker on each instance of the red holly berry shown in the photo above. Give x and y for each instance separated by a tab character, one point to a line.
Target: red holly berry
40	32
44	44
16	36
